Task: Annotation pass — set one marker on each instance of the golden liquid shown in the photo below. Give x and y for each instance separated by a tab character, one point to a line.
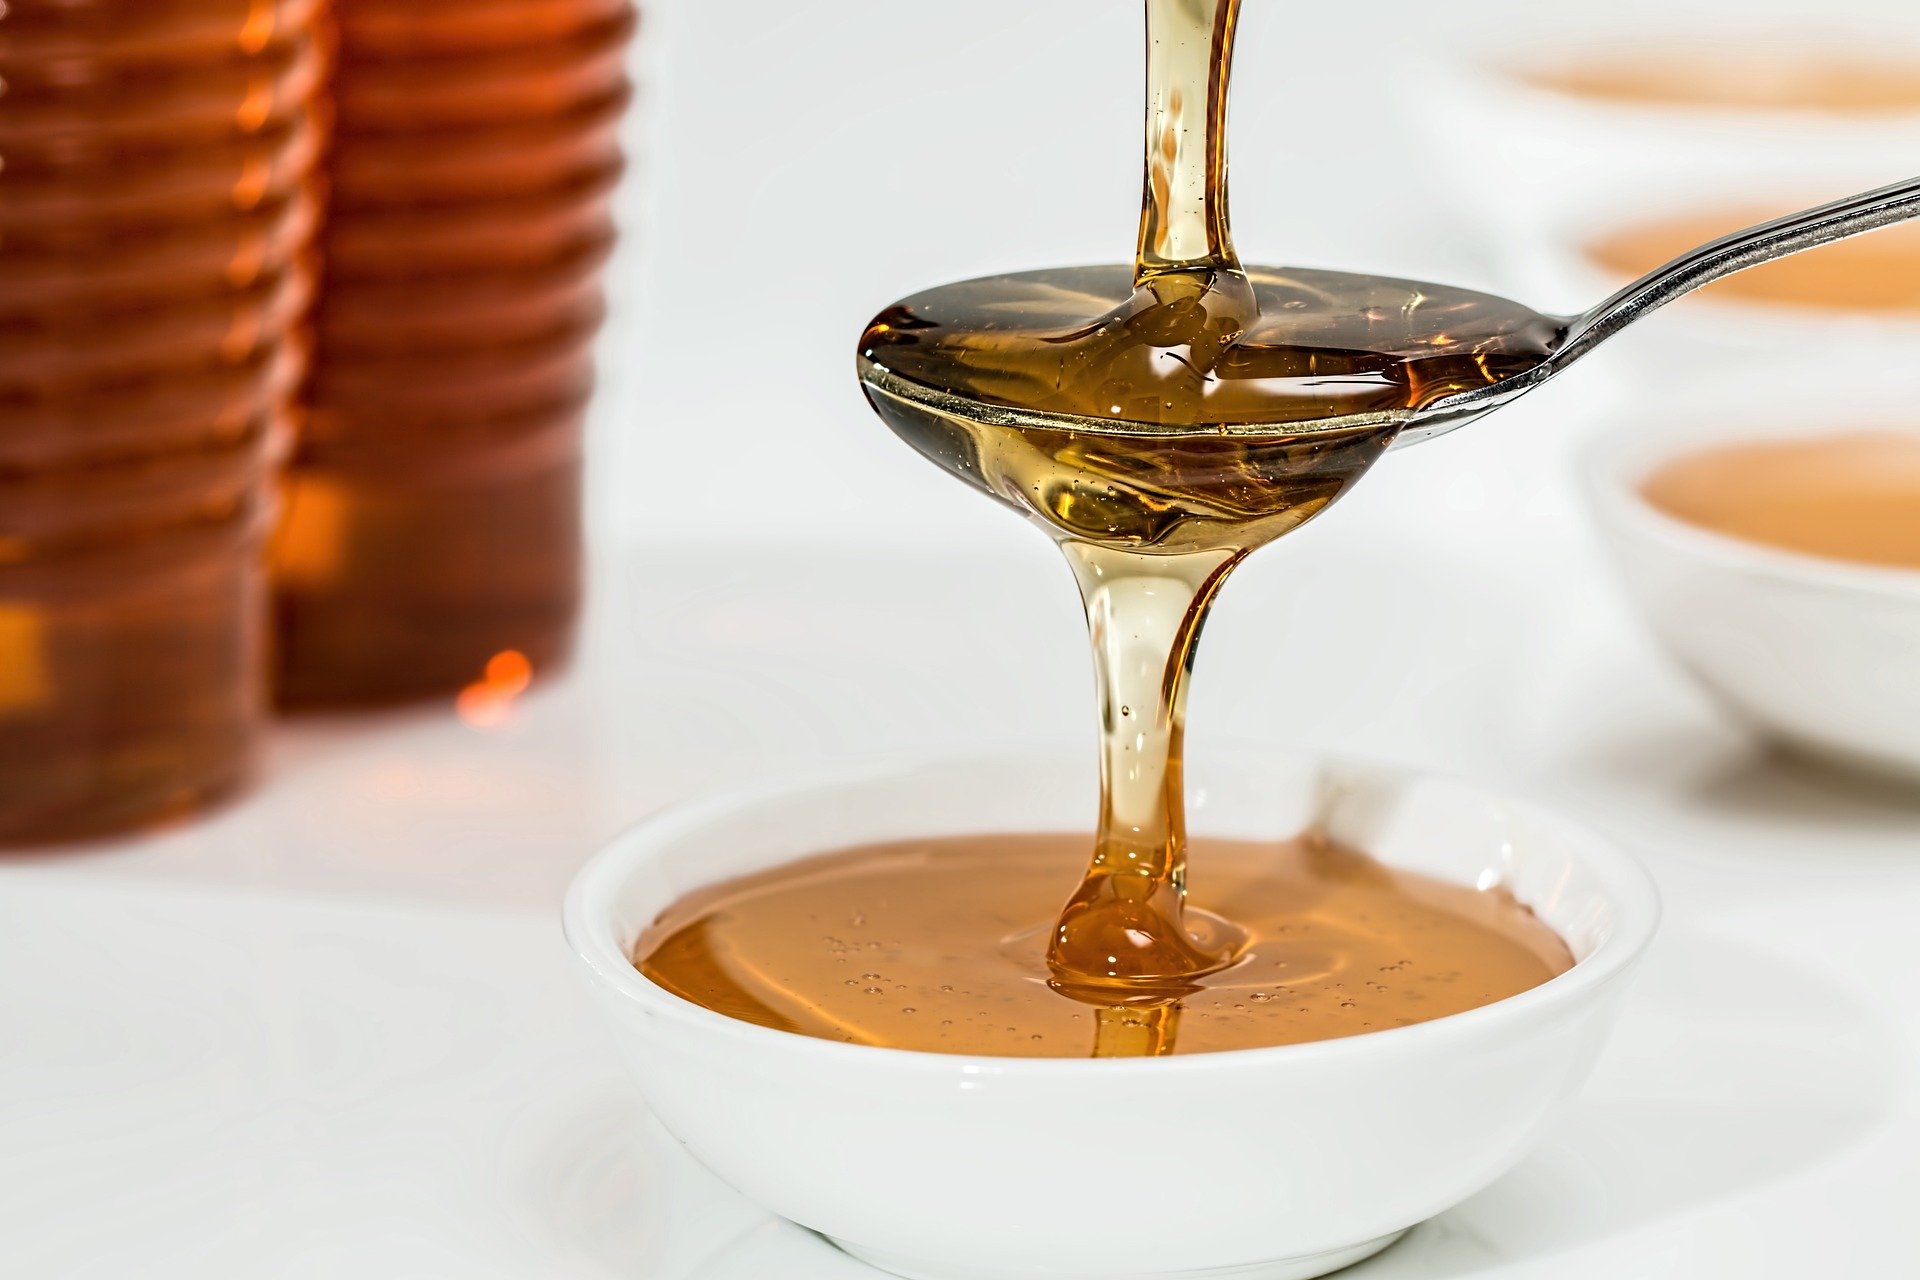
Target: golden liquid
1847	497
156	215
1751	80
431	512
940	945
1876	272
1161	422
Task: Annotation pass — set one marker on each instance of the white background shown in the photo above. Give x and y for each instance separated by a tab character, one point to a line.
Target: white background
330	1030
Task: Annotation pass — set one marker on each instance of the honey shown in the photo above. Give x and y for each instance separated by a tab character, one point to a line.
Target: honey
433	507
1873	274
939	945
1160	421
1851	496
155	233
1849	85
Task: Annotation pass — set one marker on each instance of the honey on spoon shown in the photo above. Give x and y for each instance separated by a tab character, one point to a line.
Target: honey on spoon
1161	422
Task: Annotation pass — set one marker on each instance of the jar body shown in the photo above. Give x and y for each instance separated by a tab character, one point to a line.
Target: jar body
433	502
155	236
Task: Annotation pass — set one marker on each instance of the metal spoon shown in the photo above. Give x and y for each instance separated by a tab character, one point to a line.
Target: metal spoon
1581	333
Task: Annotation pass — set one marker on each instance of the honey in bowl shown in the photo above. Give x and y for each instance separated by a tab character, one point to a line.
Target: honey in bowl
940	945
1877	273
1852	496
1839	83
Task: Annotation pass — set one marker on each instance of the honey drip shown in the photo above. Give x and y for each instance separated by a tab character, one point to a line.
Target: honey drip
1160	421
1160	424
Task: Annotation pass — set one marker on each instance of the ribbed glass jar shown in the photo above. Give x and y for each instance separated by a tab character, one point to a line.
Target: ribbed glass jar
156	219
433	504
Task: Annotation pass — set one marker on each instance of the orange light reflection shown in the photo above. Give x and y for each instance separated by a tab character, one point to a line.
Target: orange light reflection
488	701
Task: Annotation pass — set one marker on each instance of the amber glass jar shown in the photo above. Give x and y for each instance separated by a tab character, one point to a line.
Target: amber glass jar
433	506
155	228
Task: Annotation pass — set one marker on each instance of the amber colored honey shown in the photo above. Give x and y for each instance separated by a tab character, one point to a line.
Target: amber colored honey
1160	422
1842	84
156	213
940	945
1846	496
1875	273
433	505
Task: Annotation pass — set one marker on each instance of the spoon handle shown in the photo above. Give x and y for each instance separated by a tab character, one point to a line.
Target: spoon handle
1834	220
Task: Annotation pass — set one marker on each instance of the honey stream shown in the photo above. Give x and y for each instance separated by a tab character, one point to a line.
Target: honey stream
1161	421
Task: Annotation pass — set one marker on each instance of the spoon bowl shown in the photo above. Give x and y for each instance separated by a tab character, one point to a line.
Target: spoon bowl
1400	331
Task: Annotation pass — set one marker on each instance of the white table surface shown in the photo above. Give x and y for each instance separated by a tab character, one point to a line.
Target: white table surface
332	1031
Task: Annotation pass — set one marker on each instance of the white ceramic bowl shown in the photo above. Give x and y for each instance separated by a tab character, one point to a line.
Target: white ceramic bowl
1818	654
1542	157
1262	1164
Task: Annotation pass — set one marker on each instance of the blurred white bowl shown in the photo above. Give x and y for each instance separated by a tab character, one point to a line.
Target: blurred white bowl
1263	1164
1520	157
1820	655
1707	336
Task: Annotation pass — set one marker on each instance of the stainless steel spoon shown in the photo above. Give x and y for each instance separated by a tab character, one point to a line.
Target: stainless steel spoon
1581	333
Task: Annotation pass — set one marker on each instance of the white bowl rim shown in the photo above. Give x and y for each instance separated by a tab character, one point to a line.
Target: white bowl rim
1629	890
1616	465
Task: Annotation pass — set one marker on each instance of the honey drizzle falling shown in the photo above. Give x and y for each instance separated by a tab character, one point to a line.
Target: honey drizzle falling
1161	421
1127	924
1183	209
